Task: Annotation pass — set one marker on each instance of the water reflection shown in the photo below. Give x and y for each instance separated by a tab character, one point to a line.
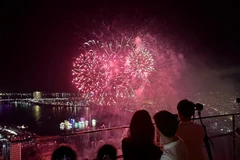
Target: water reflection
37	112
46	120
75	110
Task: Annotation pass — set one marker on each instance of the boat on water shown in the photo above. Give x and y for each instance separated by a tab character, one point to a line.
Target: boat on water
65	125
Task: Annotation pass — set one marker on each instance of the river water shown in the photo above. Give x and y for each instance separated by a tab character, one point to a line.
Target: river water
45	120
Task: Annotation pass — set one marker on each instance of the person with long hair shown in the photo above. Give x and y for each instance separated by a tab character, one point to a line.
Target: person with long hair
139	144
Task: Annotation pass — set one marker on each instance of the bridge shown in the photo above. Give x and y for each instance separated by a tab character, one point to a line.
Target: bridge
58	102
34	100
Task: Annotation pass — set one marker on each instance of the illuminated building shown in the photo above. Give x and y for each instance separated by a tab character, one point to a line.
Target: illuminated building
15	151
94	122
37	95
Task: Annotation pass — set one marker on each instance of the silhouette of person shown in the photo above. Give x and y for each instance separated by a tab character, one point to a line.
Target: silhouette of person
140	141
107	152
191	133
174	148
64	153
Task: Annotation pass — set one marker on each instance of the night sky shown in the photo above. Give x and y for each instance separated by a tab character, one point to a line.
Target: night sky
39	40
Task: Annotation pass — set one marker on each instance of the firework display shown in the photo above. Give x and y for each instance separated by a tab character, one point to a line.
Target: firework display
127	65
139	64
108	72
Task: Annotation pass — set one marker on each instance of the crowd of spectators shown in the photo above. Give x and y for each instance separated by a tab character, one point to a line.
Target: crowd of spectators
181	138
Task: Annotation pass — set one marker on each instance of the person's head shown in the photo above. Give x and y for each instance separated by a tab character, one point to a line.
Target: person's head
185	110
64	152
107	152
141	128
166	123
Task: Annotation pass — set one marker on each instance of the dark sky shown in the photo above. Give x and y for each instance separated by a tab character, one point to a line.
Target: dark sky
38	40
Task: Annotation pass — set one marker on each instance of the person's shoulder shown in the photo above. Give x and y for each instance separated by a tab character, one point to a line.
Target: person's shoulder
182	147
166	157
199	128
197	125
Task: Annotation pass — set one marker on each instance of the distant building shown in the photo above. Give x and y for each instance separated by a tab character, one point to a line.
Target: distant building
15	151
37	95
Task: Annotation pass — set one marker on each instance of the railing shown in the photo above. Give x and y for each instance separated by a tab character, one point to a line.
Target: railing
233	134
86	143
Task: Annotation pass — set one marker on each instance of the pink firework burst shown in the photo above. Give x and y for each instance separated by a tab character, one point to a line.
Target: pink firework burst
139	65
107	73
